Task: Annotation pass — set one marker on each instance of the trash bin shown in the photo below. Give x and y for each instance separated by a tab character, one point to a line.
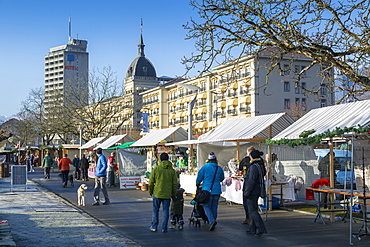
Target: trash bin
4	170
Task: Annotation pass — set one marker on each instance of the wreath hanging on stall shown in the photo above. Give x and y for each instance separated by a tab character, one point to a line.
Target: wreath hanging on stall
316	139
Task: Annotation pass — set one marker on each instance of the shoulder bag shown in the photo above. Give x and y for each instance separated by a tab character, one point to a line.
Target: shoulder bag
204	195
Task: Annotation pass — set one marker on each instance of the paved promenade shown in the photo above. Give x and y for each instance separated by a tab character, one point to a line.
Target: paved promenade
36	217
46	215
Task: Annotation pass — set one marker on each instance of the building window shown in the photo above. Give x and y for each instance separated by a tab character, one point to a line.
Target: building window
286	86
303	87
286	69
286	103
323	90
323	103
304	105
297	101
297	89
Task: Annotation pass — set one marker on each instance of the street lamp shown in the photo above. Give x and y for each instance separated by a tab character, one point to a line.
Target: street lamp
215	107
191	106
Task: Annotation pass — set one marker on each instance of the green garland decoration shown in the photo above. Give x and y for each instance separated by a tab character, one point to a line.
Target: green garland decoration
316	139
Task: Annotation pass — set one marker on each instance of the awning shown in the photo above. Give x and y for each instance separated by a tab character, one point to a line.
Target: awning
221	104
329	118
154	137
156	106
113	140
173	116
201	110
178	115
247	82
244	100
202	96
125	145
92	142
202	125
127	122
248	129
183	114
172	104
178	102
232	102
233	85
212	124
156	118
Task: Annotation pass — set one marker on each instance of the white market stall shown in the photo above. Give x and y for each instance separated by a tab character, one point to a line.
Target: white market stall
156	140
345	121
227	139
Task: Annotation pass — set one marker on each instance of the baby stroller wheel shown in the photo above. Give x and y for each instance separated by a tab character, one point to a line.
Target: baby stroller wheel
197	224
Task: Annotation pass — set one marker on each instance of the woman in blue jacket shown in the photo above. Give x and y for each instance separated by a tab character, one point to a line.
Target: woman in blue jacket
205	176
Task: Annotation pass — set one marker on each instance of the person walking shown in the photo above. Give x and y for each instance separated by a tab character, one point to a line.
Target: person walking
84	166
181	161
244	165
252	190
211	175
47	164
162	185
112	167
76	165
101	178
63	166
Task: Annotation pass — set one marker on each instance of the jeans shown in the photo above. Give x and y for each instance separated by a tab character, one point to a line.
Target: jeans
210	208
245	206
65	176
77	173
47	172
100	184
84	174
256	224
165	215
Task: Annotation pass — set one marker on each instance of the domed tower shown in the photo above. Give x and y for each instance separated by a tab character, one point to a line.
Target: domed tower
140	76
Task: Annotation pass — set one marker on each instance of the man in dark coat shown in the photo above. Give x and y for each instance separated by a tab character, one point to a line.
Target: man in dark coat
252	190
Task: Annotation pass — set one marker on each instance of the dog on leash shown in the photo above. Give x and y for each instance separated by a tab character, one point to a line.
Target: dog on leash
81	195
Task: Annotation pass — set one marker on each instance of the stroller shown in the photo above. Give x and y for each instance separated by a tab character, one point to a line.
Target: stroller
198	212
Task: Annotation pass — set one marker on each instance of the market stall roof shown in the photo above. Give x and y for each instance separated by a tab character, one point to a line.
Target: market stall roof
124	145
248	129
92	142
329	118
113	140
154	137
185	143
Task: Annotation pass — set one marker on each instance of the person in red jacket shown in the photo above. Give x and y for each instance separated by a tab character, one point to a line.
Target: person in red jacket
64	167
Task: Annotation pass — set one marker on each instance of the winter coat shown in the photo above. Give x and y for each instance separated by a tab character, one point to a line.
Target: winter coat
76	163
64	164
177	203
47	161
163	181
101	166
84	163
252	181
205	176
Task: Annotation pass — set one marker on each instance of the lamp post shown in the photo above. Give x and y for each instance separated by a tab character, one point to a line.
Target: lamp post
216	115
191	106
190	131
81	128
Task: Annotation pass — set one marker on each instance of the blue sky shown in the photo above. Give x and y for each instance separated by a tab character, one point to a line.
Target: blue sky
112	29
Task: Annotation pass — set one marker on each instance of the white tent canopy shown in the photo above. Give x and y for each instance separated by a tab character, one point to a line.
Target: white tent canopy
113	140
154	137
329	118
247	129
92	143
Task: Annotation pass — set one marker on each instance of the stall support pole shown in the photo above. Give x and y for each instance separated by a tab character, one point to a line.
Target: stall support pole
237	150
269	171
191	158
332	182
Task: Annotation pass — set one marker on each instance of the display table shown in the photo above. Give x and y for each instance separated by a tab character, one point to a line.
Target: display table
234	191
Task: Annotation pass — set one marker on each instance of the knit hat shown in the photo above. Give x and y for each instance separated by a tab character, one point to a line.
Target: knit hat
256	154
163	156
212	156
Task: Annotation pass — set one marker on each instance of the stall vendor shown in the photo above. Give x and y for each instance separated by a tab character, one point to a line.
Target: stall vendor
181	161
